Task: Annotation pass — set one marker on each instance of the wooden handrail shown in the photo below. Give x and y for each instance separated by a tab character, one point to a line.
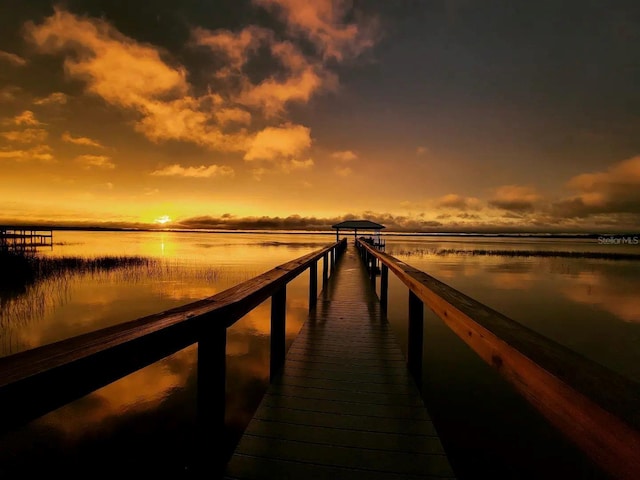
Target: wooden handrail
37	381
598	409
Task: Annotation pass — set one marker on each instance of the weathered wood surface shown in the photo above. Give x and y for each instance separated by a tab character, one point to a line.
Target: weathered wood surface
344	406
595	407
37	381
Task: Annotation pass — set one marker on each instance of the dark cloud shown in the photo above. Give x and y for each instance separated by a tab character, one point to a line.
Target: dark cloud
297	222
614	191
514	197
517	205
455	201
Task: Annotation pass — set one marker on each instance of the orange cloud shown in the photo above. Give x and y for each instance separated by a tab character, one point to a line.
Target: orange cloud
294	164
56	98
9	93
98	161
236	116
26	118
302	79
322	22
236	47
296	80
453	200
277	143
29	135
84	141
202	171
514	197
132	75
421	150
626	172
12	58
143	79
616	190
183	119
344	156
40	153
115	67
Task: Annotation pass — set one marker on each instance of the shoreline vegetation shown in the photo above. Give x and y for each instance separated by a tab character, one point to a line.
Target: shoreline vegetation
24	268
519	253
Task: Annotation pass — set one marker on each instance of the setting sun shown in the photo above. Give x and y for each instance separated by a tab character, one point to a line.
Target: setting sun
163	219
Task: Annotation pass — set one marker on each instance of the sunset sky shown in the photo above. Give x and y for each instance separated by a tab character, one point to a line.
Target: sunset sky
443	115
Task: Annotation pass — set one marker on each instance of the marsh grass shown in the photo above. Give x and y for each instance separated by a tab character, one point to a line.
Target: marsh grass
32	285
22	268
518	253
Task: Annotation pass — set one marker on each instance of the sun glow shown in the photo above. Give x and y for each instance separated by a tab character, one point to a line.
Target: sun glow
163	219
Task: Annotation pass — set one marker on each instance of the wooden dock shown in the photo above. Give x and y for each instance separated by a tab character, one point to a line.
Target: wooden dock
344	406
25	238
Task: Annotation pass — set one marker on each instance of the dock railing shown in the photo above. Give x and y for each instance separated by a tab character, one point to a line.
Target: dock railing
24	238
37	381
596	408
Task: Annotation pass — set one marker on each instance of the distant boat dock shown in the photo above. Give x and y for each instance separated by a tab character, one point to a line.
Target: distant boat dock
24	238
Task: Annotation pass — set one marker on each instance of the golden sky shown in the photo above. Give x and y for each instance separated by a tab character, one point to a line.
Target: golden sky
425	116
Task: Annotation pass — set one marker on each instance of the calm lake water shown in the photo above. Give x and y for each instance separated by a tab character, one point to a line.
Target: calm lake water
145	422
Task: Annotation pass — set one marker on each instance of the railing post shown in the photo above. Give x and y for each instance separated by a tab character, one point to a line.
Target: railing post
372	275
313	284
325	270
414	345
211	395
384	287
333	259
278	315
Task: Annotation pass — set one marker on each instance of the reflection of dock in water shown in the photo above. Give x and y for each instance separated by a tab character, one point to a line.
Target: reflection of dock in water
344	400
25	238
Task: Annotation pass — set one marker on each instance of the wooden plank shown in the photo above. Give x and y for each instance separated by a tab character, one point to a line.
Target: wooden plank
344	405
348	385
411	463
260	468
295	370
349	438
415	412
598	409
399	400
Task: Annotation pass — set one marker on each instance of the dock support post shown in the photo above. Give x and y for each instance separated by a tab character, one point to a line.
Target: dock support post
313	284
211	396
384	288
325	270
414	345
278	314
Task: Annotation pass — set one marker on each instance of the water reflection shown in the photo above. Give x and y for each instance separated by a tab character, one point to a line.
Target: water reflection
619	297
145	422
589	305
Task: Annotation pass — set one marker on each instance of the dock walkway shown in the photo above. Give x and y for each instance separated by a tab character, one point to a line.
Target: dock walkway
344	405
